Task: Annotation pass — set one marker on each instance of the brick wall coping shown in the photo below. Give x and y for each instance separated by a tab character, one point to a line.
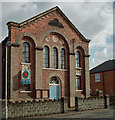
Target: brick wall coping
28	101
94	97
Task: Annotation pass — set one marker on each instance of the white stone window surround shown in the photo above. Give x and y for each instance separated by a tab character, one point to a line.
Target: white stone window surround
25	66
78	71
78	68
55	84
22	91
97	77
22	63
55	69
78	90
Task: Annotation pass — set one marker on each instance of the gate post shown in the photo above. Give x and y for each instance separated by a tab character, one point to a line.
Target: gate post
62	105
76	103
106	101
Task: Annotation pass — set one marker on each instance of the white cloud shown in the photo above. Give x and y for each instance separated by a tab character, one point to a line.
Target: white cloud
106	24
100	56
17	12
18	8
94	20
57	0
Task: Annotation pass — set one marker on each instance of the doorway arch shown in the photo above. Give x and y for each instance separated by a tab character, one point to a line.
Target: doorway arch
55	88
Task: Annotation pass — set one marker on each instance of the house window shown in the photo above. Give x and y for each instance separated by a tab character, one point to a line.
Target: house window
97	77
62	58
46	57
55	58
78	59
78	82
25	52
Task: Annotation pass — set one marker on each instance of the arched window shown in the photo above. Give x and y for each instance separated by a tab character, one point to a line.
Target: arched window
46	57
78	59
55	58
25	52
63	58
54	80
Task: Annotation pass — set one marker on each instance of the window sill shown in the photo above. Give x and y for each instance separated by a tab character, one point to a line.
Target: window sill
78	90
25	91
54	84
78	68
22	63
78	74
54	69
97	81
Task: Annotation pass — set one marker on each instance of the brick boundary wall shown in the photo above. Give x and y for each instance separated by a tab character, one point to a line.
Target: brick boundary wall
34	107
45	107
91	103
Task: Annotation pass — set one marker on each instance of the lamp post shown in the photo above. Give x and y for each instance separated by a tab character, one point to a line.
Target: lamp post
8	44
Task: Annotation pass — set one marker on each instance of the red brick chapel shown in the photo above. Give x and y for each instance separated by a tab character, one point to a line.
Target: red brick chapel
52	53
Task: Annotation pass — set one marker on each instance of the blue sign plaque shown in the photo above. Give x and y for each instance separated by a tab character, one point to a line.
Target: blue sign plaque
26	77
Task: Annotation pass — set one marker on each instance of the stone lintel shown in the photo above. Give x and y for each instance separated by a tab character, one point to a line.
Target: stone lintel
15	45
86	55
72	53
38	48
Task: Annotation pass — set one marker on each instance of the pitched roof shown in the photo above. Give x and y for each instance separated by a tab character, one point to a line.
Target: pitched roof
106	66
57	9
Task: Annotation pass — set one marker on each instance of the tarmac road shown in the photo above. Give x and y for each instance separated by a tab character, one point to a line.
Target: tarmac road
108	114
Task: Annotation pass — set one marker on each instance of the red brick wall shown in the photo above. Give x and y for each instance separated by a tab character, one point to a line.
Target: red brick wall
40	27
64	74
108	82
64	80
32	67
37	29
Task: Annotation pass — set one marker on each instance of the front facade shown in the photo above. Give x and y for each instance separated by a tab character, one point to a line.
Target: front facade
102	79
54	56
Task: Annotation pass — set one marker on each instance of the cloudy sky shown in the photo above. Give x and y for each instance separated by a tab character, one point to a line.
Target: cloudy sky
92	18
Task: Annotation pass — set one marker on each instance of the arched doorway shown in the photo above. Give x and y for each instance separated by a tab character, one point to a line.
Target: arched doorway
55	88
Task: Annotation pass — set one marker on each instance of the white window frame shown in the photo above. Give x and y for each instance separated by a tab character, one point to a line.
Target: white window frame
77	76
97	77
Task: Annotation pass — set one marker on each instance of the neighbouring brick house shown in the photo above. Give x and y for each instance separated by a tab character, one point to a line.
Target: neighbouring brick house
102	78
55	53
